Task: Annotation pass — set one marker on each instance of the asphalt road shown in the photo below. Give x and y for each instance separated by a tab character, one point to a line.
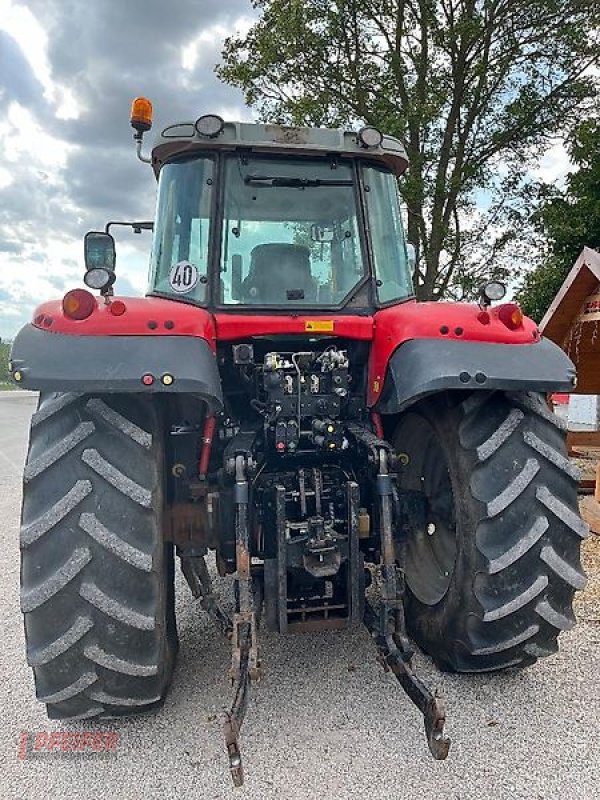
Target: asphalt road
324	722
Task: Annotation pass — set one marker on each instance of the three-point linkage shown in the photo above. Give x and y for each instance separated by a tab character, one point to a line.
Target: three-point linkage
245	665
387	623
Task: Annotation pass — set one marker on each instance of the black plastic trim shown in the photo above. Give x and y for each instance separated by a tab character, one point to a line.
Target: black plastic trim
54	362
422	367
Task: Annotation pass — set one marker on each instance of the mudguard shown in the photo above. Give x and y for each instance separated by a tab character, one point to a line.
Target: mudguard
54	362
422	367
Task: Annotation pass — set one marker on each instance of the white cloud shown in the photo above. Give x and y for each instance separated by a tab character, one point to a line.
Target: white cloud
210	40
23	139
18	21
5	178
554	165
67	164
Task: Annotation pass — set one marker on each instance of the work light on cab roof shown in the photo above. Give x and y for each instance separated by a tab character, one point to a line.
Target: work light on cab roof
492	291
209	125
370	136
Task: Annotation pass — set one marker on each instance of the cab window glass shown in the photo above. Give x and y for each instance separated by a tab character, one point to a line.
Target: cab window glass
392	268
290	232
179	261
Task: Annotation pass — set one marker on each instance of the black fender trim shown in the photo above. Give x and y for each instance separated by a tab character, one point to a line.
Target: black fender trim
53	362
421	367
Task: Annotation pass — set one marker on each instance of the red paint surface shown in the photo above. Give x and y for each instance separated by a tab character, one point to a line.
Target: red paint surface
208	433
377	424
388	328
138	319
241	326
412	320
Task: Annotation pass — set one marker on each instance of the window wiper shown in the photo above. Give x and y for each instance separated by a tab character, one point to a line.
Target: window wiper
293	183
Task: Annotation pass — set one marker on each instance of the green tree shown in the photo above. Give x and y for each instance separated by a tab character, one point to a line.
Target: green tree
4	357
569	220
474	88
539	288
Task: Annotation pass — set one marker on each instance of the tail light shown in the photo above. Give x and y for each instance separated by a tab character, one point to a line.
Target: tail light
78	304
510	315
117	308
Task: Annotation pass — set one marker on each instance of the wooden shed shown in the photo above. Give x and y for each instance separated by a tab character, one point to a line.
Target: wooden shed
573	320
573	323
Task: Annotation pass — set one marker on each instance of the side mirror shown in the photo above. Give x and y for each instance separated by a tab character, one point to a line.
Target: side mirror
100	256
236	277
99	250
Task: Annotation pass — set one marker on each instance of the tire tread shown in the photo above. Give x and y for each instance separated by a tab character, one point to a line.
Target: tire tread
519	564
98	610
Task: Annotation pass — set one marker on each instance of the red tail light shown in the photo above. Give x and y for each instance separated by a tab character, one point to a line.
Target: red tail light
510	315
117	308
78	304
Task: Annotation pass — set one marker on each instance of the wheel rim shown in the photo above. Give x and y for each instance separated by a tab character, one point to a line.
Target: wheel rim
430	551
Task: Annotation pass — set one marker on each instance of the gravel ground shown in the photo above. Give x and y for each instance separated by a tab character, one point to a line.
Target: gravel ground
324	721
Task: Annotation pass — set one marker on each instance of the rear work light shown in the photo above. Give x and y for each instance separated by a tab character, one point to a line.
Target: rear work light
78	304
510	315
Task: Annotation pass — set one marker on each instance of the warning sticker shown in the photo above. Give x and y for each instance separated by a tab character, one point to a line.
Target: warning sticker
319	325
183	277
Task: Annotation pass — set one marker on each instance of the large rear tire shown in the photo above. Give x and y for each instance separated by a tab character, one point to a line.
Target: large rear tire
491	578
96	577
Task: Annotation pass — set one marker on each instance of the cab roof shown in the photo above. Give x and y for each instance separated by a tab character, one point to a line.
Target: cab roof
182	138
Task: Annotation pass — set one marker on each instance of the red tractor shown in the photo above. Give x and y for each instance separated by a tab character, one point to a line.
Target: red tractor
280	398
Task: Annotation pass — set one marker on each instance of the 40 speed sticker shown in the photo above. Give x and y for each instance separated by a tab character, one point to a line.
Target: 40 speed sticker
183	277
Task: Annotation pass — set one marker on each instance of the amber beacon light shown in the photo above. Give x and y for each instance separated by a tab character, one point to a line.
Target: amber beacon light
141	114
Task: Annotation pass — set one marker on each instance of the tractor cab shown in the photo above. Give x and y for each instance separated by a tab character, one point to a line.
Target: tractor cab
262	216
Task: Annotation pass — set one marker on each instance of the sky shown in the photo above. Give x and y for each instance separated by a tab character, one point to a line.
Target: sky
68	72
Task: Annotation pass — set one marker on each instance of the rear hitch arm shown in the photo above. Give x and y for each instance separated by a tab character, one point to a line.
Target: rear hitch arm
245	665
393	656
388	627
235	716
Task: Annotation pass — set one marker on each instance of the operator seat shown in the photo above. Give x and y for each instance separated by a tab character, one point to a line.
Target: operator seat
279	273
